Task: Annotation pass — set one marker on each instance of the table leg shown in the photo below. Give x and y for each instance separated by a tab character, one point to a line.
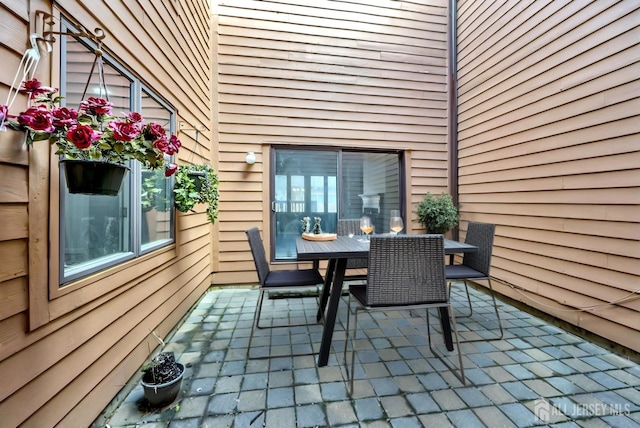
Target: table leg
324	296
332	311
446	328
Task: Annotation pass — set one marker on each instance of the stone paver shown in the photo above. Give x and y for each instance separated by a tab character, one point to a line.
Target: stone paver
538	375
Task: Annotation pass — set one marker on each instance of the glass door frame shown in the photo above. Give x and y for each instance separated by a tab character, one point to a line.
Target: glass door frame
402	190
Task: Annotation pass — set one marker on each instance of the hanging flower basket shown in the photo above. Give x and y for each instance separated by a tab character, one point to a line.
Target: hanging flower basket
94	178
90	134
197	184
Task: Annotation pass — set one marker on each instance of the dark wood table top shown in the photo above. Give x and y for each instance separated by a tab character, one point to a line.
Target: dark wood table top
346	248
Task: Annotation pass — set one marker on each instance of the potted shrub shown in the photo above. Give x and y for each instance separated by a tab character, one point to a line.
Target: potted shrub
162	379
91	141
437	213
196	184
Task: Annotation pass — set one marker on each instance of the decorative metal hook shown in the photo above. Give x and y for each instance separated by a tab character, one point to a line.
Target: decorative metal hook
48	36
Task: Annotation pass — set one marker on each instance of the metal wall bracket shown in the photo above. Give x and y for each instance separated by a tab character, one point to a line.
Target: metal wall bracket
48	35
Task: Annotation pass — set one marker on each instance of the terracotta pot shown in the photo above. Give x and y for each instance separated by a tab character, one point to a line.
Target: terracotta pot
93	178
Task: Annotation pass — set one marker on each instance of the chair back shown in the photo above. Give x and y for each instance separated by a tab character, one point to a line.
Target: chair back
481	235
259	255
348	226
405	270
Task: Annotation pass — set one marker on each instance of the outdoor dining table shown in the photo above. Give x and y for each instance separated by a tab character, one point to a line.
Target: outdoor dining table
338	251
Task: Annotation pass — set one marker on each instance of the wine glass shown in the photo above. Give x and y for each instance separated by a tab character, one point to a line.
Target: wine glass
396	221
366	226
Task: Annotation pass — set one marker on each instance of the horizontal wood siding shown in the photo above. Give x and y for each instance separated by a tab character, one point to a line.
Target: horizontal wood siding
549	124
328	73
63	359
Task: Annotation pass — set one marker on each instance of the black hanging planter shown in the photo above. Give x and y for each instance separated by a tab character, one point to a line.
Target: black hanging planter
197	177
93	178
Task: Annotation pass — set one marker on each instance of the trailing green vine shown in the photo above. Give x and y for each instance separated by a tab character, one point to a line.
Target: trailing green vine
187	195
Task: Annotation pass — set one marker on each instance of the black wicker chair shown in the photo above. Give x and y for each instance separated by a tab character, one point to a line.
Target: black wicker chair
280	280
476	266
351	226
406	272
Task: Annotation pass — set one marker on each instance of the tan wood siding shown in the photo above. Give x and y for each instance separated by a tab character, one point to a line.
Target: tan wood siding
65	353
548	150
548	130
328	73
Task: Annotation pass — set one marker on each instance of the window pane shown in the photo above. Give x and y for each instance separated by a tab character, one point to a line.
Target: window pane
317	194
371	186
306	184
156	196
156	203
78	65
97	229
153	111
100	231
303	181
332	195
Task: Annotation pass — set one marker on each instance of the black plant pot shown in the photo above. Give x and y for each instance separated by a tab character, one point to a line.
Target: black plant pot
197	177
164	393
93	178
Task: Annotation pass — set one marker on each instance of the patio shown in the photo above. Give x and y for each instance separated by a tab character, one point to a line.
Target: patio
538	375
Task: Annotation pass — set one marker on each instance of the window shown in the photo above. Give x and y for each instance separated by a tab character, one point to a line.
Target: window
331	184
100	231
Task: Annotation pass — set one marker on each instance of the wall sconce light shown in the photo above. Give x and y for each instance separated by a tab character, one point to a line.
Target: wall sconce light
250	158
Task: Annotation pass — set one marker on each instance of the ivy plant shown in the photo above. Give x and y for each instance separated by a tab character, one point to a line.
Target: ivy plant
188	192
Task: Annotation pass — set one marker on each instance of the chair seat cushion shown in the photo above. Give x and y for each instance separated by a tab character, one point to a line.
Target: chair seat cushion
461	272
359	292
293	278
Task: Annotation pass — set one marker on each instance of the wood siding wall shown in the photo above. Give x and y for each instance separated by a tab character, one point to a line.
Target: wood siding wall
62	360
549	131
369	74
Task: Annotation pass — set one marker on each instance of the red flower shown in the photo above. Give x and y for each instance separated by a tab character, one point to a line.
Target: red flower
64	116
161	144
174	144
4	113
170	169
91	132
82	136
135	117
124	131
37	118
35	88
96	106
156	129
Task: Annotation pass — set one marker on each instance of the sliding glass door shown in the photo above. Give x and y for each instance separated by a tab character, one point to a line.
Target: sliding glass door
328	184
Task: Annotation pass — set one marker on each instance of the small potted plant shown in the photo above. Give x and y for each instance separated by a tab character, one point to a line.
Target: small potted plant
437	213
162	379
91	140
196	184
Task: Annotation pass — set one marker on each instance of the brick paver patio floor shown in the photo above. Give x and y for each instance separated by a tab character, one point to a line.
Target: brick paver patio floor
537	375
